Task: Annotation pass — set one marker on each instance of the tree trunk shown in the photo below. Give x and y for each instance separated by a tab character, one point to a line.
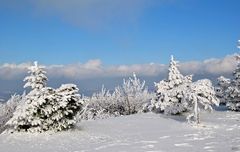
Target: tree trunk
196	112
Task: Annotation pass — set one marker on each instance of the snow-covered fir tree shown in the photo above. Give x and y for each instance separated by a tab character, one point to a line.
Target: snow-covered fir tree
179	94
223	84
28	116
46	109
170	92
200	95
175	78
32	115
67	106
229	89
37	78
232	93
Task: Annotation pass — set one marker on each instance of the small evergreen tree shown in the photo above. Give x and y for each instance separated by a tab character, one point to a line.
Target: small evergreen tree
229	90
223	84
37	78
67	106
169	92
29	117
46	109
179	94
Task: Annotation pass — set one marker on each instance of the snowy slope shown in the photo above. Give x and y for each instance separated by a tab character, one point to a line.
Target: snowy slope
136	133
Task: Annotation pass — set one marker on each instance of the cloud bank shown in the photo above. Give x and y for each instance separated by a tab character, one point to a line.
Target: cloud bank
96	69
91	75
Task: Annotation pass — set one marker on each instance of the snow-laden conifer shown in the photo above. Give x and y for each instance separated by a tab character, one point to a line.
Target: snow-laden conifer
66	108
45	108
37	78
178	94
170	92
229	89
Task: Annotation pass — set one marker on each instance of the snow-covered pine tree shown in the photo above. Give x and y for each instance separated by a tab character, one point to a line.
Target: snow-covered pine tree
46	109
37	78
67	107
27	116
232	93
175	78
223	84
229	90
200	95
170	92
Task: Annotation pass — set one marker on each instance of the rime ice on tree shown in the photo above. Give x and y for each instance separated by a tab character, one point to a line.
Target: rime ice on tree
179	94
37	79
230	89
201	95
170	91
134	93
125	100
46	109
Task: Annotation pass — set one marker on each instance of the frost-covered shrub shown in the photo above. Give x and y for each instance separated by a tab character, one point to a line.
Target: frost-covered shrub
229	89
200	95
133	94
101	105
46	109
7	109
125	100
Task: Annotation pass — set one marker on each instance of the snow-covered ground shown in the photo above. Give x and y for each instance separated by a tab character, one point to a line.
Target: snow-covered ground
219	132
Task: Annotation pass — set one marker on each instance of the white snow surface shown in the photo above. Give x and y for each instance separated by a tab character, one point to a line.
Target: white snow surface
219	132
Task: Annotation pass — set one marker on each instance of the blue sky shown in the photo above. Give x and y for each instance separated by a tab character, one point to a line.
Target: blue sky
120	32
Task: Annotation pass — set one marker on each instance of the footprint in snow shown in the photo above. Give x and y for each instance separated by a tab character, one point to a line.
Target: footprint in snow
210	150
164	137
148	142
189	135
208	147
147	146
211	143
183	145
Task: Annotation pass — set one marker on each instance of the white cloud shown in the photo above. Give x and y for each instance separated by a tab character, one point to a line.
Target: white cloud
95	69
13	71
213	66
90	76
